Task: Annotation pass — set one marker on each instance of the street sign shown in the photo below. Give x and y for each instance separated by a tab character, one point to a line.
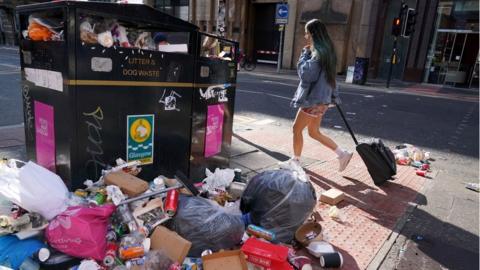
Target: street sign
281	14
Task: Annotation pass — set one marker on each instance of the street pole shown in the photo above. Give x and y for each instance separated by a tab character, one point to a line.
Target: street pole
393	60
280	49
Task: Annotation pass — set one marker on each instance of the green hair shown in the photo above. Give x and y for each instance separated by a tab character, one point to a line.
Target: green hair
323	49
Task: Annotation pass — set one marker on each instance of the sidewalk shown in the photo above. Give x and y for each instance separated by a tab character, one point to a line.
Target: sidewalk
370	217
425	89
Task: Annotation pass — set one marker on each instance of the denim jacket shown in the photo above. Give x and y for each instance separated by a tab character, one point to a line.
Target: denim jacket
313	88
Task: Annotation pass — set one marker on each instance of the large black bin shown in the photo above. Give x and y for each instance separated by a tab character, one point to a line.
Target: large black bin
150	96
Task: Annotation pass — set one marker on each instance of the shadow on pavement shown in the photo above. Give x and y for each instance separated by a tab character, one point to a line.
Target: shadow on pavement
449	245
443	242
276	155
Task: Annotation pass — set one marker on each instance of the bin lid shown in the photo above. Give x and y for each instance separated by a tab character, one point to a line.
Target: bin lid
132	12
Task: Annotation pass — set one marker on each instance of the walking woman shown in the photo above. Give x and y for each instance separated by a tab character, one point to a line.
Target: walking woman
316	91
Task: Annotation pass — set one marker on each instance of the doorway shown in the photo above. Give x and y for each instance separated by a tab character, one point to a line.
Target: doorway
266	36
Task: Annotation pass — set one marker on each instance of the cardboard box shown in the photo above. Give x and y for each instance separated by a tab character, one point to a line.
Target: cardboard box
173	244
128	184
231	260
332	196
265	255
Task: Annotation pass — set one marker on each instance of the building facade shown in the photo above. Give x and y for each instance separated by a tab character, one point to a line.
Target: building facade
442	50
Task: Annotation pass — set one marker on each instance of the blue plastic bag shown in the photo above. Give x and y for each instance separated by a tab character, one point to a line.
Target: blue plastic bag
14	251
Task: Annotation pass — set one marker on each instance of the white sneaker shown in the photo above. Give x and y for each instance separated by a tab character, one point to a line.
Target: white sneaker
343	160
291	164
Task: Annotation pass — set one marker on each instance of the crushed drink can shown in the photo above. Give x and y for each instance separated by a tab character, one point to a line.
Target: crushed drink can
111	236
136	261
131	252
416	164
260	232
237	175
425	167
171	202
421	173
100	198
110	254
81	193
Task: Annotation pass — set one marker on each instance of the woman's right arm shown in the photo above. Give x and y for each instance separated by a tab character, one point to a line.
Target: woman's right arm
304	56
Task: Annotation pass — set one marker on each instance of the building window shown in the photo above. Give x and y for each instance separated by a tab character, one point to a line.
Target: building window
453	58
177	8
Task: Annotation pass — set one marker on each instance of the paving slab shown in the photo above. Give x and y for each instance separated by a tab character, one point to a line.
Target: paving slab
369	214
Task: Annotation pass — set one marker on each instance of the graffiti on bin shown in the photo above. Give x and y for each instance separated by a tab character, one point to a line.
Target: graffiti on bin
94	148
174	71
218	92
170	100
28	110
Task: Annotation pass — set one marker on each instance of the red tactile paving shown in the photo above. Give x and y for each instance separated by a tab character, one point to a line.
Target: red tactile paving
367	215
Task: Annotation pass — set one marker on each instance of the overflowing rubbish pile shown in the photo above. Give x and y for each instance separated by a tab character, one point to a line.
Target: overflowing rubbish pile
123	222
409	155
96	30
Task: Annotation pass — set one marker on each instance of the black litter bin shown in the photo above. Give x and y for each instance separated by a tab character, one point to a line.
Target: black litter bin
103	81
361	70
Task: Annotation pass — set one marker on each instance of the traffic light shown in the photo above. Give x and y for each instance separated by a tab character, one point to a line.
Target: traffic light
410	21
404	10
397	26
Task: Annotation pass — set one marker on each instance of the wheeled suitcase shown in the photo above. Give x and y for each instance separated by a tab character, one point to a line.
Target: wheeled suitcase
378	158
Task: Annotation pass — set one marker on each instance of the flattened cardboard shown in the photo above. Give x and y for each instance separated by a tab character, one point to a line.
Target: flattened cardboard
128	184
231	260
173	244
332	196
152	213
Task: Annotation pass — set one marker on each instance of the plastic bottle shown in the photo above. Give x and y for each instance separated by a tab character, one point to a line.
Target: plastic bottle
126	217
131	246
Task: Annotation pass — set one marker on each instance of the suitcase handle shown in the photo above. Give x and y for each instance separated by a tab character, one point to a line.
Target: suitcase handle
346	123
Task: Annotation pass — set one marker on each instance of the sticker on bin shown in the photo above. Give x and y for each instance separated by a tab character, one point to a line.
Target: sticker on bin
45	78
140	134
101	64
45	135
214	133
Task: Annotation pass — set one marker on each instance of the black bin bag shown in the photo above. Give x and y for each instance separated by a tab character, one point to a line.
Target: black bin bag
207	225
278	201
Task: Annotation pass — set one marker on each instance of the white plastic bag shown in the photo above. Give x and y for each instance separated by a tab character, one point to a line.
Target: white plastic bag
34	188
220	179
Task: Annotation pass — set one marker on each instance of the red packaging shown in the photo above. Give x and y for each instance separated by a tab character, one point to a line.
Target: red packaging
171	202
266	255
421	173
425	167
111	253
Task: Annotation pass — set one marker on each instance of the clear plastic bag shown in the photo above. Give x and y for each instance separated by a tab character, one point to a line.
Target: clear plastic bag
207	225
33	188
278	201
156	260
